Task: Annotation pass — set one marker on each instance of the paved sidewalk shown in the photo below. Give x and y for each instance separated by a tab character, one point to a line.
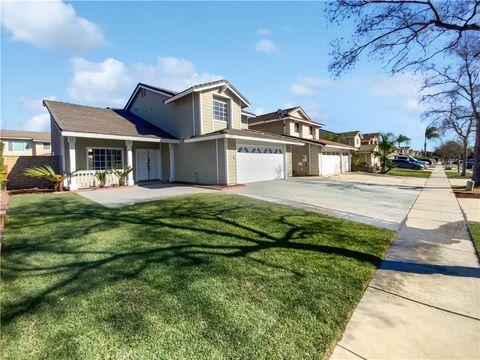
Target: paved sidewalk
424	300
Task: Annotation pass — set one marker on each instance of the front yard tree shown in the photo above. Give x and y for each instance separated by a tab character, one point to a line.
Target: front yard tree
449	150
454	95
402	139
386	147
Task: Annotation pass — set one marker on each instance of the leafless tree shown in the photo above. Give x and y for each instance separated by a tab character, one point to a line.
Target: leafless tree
454	95
402	34
449	116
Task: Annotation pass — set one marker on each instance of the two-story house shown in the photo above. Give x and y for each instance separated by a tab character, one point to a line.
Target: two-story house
367	151
352	138
17	143
198	135
319	156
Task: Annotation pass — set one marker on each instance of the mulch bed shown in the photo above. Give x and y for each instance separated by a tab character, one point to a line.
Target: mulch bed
460	192
29	191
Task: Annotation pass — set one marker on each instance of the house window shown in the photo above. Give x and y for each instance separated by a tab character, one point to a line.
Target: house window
297	127
105	159
18	145
46	146
220	110
310	130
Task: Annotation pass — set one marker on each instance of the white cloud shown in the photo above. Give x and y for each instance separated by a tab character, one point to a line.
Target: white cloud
266	46
263	31
306	86
110	82
35	105
172	73
38	123
50	25
105	82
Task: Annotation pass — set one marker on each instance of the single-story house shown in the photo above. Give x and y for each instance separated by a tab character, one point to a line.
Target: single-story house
318	156
199	135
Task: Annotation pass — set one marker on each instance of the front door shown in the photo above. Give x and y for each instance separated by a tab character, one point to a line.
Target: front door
148	164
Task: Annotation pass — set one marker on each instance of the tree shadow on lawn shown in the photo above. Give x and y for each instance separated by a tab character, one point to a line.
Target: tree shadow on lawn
77	247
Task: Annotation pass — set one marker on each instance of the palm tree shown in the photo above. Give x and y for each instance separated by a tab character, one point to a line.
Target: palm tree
431	132
386	146
402	139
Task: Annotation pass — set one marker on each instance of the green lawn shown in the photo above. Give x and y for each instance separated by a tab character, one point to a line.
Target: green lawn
456	175
408	172
475	233
198	277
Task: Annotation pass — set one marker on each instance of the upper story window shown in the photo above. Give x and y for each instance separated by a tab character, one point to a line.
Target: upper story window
310	130
297	127
220	110
46	146
18	145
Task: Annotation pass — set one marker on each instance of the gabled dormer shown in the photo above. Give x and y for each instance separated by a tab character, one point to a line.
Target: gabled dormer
197	110
292	121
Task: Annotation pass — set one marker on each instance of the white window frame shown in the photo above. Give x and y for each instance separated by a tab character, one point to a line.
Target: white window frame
222	100
46	143
27	145
310	130
104	148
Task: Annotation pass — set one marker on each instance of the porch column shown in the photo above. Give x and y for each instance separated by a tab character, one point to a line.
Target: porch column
171	151
73	162
128	144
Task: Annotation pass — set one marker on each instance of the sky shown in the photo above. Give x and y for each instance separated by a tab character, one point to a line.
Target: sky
275	53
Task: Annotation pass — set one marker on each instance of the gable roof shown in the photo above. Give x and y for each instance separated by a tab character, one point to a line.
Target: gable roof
92	120
369	136
206	86
25	135
281	114
324	142
156	89
367	148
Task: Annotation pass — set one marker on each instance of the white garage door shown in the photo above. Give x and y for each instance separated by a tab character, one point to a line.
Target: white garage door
346	163
331	163
259	163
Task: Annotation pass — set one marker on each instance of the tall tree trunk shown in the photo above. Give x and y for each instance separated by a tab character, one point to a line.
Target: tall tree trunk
425	147
464	156
476	153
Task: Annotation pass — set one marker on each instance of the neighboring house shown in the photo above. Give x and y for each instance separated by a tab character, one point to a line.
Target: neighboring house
24	143
318	156
199	135
366	152
352	138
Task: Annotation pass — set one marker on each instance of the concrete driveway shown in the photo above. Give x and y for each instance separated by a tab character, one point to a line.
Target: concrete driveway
373	199
379	200
122	196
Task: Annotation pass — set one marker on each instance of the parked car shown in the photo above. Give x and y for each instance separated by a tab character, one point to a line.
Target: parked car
412	159
428	161
408	164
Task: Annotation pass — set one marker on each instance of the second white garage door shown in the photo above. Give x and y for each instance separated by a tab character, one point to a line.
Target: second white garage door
259	163
331	163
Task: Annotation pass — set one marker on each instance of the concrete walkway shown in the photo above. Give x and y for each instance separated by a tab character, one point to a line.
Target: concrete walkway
424	300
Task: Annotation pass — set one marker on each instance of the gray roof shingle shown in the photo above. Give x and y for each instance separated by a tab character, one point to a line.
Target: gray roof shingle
88	119
20	134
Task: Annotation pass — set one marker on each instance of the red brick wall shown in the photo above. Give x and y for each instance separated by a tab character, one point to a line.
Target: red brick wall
16	179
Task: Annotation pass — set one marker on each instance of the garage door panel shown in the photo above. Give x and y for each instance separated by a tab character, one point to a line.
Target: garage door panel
331	164
259	163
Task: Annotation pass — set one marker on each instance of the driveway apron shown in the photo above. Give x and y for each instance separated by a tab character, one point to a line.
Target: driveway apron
424	300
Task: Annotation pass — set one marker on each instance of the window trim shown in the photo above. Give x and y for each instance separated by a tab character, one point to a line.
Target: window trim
295	126
104	148
310	130
49	145
27	147
226	100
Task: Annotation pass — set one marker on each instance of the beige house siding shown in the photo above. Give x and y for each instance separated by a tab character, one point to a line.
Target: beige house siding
196	162
300	160
305	131
288	158
244	124
176	118
270	127
208	124
232	161
314	166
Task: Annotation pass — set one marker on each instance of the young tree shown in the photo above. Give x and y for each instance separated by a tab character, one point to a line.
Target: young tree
449	116
449	150
386	147
431	132
400	33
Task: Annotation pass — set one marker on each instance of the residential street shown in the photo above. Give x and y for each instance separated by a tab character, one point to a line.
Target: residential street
424	300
